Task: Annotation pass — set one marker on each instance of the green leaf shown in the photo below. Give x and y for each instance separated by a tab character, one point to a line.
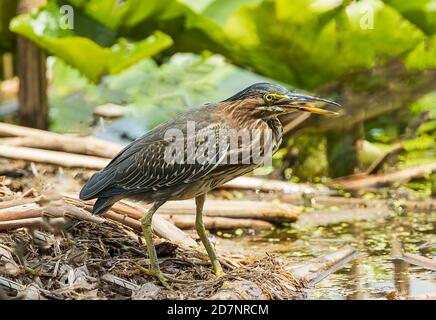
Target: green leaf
315	46
82	53
421	143
220	10
427	127
125	54
197	6
423	56
303	43
422	13
116	14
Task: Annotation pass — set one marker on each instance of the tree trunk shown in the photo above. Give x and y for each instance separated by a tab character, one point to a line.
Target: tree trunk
33	110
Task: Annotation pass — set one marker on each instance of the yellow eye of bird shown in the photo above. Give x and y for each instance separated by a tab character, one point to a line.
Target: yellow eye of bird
269	97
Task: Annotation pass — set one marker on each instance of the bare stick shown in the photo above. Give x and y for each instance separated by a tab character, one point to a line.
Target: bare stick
272	185
161	227
53	157
262	210
214	223
364	182
124	219
26	223
60	142
378	163
417	260
25	211
17	202
66	210
323	266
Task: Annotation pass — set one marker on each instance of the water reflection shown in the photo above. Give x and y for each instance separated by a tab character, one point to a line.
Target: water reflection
401	278
356	288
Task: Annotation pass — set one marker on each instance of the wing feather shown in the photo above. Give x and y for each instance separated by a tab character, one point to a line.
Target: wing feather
142	167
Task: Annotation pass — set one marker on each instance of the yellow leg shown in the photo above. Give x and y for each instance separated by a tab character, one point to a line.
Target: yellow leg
199	225
151	250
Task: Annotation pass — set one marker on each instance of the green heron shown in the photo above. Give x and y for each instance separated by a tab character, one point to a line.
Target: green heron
144	170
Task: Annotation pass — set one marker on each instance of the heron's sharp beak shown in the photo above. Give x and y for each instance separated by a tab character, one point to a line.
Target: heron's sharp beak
305	103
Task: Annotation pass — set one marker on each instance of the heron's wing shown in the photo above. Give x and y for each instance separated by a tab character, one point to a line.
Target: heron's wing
151	165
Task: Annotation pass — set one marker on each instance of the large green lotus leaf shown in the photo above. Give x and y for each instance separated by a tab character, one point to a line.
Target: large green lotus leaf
304	43
125	53
193	32
116	14
107	12
423	56
298	11
220	10
297	51
82	53
390	36
197	6
420	12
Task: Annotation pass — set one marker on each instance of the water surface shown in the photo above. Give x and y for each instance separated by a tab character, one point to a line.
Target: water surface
372	274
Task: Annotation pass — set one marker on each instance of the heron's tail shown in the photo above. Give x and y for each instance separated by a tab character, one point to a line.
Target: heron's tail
103	204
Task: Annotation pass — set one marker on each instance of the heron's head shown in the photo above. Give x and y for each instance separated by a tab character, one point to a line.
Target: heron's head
265	100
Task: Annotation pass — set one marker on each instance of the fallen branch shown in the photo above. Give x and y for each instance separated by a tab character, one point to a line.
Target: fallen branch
217	213
363	182
420	261
32	215
323	266
123	209
28	223
17	201
33	210
262	210
63	159
214	223
54	141
123	219
66	210
268	185
397	254
378	163
24	211
130	215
